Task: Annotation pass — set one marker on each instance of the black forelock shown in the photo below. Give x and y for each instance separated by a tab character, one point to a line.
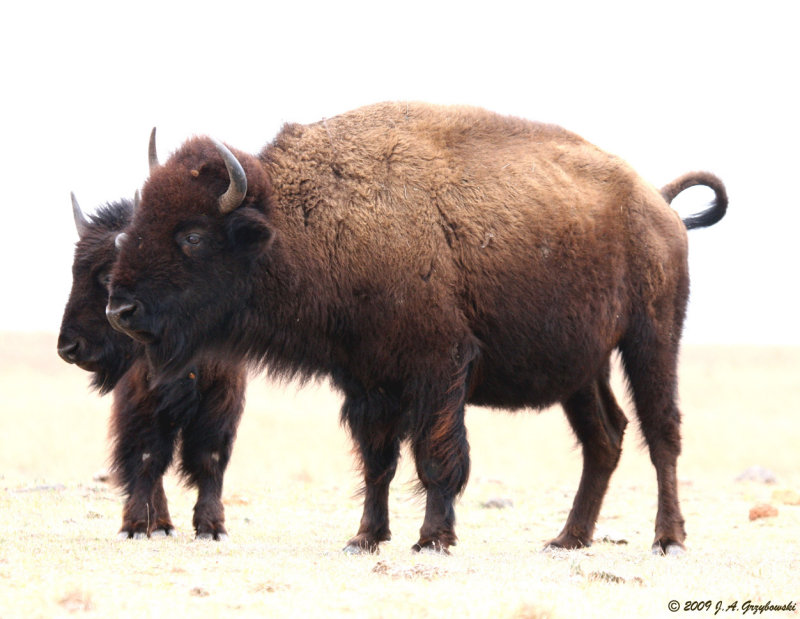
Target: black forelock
113	216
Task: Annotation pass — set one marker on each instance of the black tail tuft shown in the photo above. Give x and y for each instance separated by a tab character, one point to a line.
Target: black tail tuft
711	215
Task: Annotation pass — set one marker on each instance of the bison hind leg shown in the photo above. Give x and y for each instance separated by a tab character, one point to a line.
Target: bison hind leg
649	356
599	424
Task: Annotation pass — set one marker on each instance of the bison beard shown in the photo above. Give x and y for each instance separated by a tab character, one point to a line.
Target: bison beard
199	410
424	258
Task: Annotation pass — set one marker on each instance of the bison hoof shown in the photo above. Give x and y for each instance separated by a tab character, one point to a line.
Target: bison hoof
566	542
216	536
669	549
432	546
362	545
124	535
355	549
130	533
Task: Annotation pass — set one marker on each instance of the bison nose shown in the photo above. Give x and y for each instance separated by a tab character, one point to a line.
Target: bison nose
68	350
122	314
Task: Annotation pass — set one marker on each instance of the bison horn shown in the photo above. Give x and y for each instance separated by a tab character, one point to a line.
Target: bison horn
122	236
81	223
152	155
233	197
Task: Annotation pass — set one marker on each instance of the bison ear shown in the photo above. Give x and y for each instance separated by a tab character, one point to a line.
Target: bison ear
249	231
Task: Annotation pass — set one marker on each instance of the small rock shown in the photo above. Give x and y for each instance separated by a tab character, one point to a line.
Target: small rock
610	537
270	587
498	503
43	488
787	497
426	572
236	499
199	592
606	577
613	578
763	511
76	601
757	474
381	567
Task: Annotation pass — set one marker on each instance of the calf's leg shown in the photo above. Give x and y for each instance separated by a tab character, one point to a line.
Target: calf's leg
141	452
206	447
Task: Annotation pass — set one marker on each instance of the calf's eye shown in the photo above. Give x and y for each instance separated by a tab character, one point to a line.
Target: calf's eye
104	279
193	238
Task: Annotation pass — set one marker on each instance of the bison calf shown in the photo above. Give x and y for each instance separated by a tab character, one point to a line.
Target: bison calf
202	407
423	258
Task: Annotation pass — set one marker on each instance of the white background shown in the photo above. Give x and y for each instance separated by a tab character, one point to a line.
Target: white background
669	86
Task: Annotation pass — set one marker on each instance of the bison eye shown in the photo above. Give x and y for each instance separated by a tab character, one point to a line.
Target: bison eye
193	243
104	278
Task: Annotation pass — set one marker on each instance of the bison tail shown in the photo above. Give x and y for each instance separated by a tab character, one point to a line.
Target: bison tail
713	213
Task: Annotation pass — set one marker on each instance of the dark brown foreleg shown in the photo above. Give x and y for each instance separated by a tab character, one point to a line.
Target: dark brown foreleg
441	451
145	513
207	444
599	424
373	420
163	522
141	452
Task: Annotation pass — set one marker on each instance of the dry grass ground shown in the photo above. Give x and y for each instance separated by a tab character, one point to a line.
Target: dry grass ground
290	507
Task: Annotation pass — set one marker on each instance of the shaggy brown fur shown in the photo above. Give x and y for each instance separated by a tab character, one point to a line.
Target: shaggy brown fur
424	257
200	410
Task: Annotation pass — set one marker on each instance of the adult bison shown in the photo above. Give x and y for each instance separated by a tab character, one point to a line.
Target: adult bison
423	257
202	406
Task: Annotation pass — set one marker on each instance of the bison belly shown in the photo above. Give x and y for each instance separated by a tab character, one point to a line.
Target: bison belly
545	332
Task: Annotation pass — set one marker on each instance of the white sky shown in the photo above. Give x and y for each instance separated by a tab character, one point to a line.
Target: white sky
669	86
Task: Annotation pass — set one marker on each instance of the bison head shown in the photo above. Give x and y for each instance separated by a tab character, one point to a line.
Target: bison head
183	275
86	339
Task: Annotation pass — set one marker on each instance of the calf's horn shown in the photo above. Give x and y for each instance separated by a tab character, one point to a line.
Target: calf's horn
233	197
81	223
152	155
120	239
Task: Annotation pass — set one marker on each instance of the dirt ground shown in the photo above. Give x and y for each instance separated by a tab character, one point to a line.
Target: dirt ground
291	506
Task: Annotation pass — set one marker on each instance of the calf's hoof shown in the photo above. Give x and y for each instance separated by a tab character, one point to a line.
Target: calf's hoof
210	529
431	546
362	545
135	532
213	536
